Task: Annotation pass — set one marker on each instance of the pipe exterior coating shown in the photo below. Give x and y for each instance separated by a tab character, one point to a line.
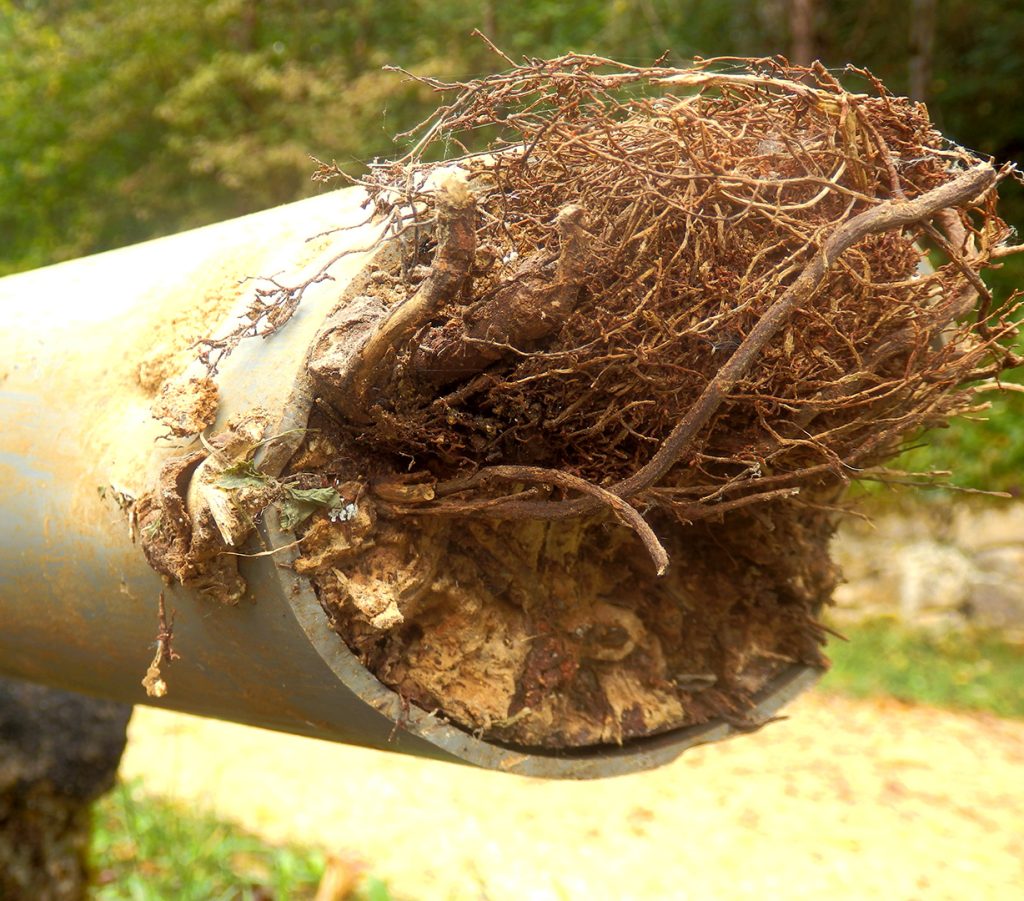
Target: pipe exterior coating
78	601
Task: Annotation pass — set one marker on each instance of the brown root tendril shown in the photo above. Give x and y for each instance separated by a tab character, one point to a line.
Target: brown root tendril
667	284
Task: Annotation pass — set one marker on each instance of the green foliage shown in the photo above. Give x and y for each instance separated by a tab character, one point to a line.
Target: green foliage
375	889
243	474
958	671
124	120
146	849
298	504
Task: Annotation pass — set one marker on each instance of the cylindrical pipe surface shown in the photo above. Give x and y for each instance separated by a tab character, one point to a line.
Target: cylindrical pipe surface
81	349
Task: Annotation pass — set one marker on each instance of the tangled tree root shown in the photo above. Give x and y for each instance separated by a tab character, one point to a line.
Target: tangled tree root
695	303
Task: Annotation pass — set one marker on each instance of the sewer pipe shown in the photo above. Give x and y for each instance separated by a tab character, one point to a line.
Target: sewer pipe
79	344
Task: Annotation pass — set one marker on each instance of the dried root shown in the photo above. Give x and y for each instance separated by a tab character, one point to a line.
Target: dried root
696	303
670	240
153	681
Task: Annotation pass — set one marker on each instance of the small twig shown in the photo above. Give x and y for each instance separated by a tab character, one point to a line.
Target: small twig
625	512
272	308
153	681
477	33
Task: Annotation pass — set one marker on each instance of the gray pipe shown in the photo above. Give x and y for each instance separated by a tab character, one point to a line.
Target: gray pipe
77	598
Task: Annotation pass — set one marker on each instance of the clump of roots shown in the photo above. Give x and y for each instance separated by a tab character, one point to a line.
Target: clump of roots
634	234
697	302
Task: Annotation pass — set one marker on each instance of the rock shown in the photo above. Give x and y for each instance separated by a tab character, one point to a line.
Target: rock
59	752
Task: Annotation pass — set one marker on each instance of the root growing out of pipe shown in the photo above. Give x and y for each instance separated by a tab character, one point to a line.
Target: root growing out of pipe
586	434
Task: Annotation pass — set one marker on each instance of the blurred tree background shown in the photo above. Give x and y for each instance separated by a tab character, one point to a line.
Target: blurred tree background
128	119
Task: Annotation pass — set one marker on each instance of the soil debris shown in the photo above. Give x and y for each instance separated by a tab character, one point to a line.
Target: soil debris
560	634
190	520
186	404
174	334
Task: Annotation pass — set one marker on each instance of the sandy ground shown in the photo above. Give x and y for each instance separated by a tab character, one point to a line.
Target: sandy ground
845	799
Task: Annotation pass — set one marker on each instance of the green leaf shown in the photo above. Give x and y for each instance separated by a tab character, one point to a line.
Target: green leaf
298	504
320	497
151	528
242	475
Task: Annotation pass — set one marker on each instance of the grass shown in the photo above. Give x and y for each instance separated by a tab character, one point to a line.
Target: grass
145	849
956	671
